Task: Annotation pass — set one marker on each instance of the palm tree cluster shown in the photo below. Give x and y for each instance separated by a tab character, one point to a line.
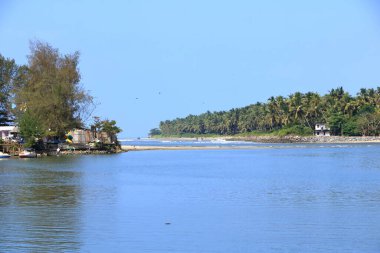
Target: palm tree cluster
345	115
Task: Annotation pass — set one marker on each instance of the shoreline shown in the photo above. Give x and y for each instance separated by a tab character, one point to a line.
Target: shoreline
128	148
282	139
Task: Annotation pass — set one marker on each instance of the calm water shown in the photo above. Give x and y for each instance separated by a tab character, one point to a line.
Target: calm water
298	199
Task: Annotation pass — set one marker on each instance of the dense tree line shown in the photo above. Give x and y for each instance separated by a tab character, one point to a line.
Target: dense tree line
45	97
345	115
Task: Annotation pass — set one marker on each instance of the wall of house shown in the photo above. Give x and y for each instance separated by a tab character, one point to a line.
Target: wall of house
81	136
4	134
320	127
322	133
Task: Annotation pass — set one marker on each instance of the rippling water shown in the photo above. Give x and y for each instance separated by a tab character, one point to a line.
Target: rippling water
311	198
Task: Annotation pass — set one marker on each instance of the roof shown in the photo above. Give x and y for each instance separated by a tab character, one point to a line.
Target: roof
9	128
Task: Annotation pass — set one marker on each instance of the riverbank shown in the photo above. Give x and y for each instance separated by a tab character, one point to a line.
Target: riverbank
307	139
128	148
284	139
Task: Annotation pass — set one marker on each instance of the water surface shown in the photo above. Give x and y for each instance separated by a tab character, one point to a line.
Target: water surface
318	198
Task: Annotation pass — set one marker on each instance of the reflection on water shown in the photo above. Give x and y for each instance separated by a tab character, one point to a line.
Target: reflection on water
38	208
299	199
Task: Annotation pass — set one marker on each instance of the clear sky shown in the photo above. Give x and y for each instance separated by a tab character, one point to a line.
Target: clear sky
187	57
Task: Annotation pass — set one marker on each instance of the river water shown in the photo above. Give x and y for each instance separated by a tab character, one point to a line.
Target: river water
308	198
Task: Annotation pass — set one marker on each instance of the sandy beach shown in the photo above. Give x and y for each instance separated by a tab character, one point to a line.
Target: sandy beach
268	140
144	148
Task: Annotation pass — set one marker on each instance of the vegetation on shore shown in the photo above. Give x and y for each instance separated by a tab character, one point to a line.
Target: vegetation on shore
45	97
295	130
296	114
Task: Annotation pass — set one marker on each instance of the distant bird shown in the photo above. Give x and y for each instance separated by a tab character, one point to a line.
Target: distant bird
159	93
137	98
167	223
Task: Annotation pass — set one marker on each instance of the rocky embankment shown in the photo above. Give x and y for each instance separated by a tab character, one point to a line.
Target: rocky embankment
307	139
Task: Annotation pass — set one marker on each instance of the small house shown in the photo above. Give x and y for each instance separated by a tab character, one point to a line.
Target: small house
84	136
81	136
321	129
8	132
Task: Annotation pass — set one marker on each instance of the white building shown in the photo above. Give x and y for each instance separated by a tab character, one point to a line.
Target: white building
8	132
321	129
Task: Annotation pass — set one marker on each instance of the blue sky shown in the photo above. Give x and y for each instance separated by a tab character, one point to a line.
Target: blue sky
187	57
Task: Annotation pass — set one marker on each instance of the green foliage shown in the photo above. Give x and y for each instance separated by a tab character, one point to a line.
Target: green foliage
109	126
186	136
295	130
46	95
369	123
350	127
366	109
336	122
30	128
154	131
97	125
296	114
50	90
8	74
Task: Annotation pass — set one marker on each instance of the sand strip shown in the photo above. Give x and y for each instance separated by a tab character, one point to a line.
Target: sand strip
143	148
